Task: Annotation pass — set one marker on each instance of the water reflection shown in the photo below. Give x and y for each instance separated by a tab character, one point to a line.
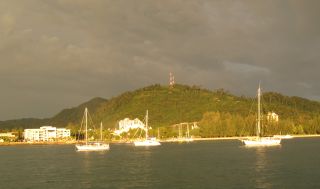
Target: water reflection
138	167
87	166
263	170
260	168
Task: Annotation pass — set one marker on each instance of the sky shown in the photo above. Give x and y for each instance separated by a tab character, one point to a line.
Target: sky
57	54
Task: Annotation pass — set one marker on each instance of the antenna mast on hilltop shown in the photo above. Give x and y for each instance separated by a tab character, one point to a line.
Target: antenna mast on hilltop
171	81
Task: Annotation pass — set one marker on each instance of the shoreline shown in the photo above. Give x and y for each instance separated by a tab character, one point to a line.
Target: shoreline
164	141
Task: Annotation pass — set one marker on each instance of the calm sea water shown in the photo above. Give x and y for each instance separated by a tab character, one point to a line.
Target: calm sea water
210	164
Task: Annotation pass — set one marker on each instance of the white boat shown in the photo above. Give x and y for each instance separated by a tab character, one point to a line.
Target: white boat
148	141
259	140
186	138
287	137
92	146
96	146
283	136
262	141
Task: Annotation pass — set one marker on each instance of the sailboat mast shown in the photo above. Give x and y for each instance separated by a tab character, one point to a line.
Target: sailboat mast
188	134
86	116
147	125
101	131
259	116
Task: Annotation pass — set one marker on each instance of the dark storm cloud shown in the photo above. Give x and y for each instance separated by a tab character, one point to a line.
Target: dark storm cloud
57	54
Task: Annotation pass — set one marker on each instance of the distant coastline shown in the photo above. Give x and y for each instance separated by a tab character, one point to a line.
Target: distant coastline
127	141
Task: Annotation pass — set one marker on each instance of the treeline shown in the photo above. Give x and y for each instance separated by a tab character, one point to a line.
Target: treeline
217	124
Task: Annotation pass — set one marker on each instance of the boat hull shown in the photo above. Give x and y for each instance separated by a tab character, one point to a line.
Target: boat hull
147	143
92	147
283	136
184	140
264	141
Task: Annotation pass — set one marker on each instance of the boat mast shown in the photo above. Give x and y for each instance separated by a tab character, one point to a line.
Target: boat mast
86	116
188	134
147	125
101	131
259	109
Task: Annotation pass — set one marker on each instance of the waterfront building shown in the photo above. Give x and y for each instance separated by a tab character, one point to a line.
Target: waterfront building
63	133
46	133
31	134
126	124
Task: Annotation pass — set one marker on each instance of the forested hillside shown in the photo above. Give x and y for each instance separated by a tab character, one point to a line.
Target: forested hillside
217	112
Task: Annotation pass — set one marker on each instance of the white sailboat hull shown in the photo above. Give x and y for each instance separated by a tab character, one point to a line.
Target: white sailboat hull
189	140
283	136
92	147
262	141
184	140
147	142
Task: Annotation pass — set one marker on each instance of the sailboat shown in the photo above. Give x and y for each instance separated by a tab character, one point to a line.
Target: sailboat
148	141
92	146
259	140
186	138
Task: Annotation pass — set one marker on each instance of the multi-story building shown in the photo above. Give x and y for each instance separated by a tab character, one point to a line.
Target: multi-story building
32	134
126	124
63	133
46	133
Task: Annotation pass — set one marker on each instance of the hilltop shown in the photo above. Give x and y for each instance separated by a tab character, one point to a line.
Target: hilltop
168	106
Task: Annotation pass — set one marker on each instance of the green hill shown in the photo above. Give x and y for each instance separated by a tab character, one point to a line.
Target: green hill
168	106
22	123
74	115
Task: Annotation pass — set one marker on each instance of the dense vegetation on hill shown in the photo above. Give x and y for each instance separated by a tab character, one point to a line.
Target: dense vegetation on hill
22	123
218	113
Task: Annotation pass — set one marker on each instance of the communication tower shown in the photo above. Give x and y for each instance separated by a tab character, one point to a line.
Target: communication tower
171	81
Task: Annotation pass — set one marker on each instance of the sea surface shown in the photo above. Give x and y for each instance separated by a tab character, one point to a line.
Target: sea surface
205	164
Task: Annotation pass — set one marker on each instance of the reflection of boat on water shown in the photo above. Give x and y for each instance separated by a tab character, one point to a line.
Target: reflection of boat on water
91	146
259	140
261	168
148	141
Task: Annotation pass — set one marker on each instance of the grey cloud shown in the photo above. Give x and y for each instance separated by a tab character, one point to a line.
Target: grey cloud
57	54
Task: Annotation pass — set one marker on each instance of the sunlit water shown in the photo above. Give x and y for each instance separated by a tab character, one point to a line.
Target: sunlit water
210	164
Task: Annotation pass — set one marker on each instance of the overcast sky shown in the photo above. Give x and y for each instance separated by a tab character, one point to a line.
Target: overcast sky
56	54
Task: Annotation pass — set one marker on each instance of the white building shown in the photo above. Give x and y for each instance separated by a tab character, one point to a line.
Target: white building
32	134
46	133
63	133
126	124
272	117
